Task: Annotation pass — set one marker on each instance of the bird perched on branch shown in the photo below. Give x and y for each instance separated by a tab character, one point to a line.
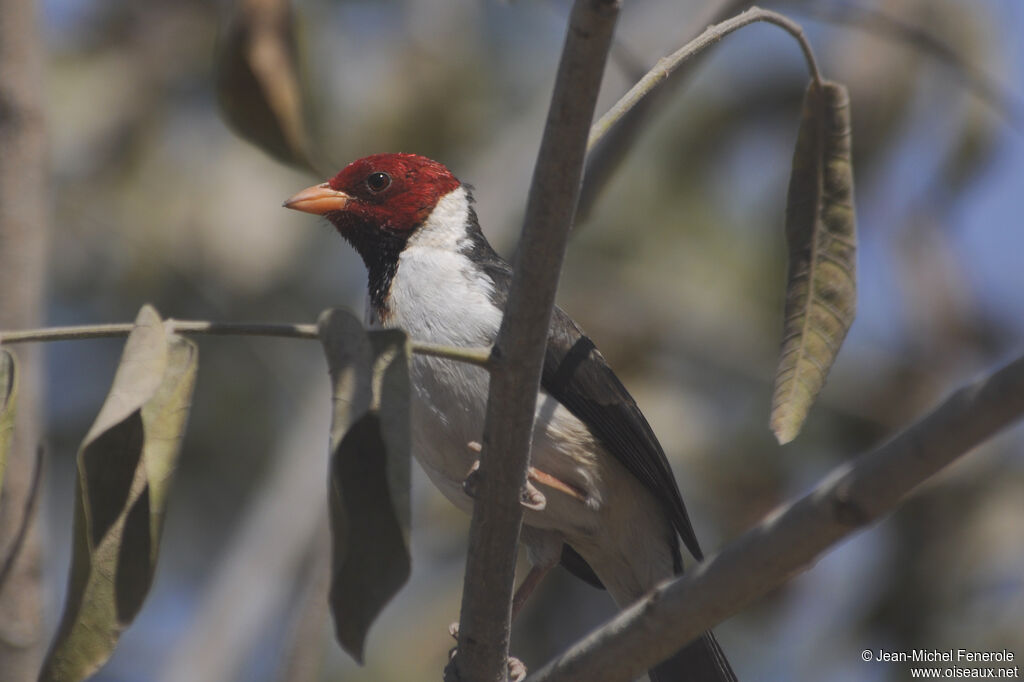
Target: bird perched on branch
601	498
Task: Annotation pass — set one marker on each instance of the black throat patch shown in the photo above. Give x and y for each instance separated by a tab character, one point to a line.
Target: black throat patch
379	250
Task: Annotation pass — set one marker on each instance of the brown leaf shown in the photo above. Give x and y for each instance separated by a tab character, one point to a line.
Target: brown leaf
8	400
258	85
821	236
369	477
125	465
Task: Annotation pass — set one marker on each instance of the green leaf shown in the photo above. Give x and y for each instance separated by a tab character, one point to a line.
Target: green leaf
821	236
258	85
370	468
125	466
8	400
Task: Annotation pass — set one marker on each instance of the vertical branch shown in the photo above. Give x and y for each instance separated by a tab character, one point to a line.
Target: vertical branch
23	229
518	352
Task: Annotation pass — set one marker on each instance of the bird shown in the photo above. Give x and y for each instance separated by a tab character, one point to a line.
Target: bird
601	498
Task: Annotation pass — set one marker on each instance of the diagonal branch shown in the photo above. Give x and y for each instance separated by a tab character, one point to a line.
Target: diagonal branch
519	349
605	157
789	541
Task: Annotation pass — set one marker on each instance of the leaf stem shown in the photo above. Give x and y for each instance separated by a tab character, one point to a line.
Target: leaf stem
481	357
666	65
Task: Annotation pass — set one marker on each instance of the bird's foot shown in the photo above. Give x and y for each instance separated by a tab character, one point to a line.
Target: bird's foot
543	478
516	668
529	496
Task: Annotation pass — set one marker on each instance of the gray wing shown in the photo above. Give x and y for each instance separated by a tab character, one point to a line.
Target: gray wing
576	374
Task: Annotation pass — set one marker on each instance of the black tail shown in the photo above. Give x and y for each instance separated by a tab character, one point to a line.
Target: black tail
702	660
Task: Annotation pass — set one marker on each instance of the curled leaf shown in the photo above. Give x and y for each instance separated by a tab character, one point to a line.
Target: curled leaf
369	475
125	465
258	85
821	237
8	400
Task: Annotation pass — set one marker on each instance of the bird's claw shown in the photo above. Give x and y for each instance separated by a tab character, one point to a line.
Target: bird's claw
529	496
472	481
516	668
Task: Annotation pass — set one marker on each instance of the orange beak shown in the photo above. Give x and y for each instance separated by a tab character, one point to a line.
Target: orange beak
318	199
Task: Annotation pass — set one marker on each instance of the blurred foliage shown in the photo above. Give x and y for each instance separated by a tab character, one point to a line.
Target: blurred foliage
677	276
258	81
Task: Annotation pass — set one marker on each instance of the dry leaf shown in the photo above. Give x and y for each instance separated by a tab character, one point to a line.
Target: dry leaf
370	469
258	84
821	236
125	465
8	400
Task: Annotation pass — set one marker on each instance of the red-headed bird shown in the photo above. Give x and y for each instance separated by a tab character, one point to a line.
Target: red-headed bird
601	500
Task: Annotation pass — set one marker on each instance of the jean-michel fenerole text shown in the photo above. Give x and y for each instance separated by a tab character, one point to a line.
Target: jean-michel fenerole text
945	656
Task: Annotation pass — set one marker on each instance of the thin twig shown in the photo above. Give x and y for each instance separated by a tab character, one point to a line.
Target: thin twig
472	356
519	349
666	65
99	331
481	357
791	540
603	159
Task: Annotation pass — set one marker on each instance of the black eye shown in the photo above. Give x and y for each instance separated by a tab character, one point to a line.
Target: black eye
378	182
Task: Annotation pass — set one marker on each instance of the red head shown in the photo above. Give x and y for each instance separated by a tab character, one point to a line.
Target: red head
377	203
393	193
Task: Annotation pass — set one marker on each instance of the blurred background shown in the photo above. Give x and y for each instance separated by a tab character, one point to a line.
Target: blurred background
677	272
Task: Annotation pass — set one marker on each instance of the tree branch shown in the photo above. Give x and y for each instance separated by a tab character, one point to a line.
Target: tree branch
604	157
519	349
666	65
789	541
472	356
100	331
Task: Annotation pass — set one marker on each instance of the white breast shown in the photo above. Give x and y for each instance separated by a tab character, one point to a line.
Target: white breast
449	398
437	296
